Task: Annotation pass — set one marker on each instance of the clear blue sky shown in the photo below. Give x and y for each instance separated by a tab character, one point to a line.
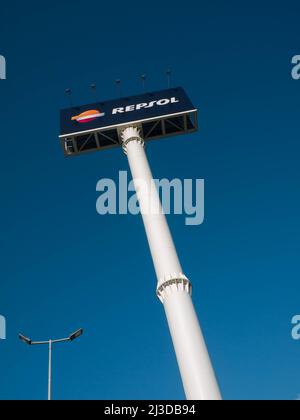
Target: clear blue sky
63	266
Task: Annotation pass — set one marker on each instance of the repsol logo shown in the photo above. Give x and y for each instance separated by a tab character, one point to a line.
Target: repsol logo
144	105
2	67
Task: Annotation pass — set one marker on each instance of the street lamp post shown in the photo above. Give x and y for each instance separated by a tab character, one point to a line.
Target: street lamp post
50	343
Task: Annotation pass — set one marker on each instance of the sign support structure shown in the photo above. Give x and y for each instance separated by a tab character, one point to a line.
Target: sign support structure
174	289
130	122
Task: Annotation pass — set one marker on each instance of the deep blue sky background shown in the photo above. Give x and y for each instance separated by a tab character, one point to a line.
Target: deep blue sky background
63	266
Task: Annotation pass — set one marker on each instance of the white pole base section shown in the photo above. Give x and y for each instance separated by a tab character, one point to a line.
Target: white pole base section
194	363
174	289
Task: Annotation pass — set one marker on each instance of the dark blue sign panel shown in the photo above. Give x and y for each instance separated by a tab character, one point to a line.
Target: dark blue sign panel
124	110
97	126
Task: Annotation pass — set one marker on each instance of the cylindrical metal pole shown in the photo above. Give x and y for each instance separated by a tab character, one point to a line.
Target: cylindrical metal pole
50	372
174	289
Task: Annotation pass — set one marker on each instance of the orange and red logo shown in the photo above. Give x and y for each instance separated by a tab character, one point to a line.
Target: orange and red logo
88	116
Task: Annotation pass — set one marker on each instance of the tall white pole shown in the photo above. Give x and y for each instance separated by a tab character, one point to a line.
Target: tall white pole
50	372
174	289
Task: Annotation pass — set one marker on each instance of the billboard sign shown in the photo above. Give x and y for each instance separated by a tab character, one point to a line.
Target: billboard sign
100	122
